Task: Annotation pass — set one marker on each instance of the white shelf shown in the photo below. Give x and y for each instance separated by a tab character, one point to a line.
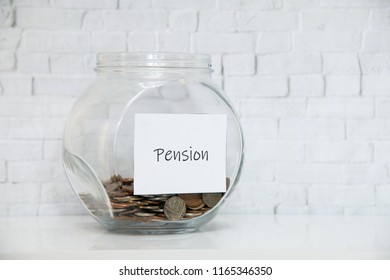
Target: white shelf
226	237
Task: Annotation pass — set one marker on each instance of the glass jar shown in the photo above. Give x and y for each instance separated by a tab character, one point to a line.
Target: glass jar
99	140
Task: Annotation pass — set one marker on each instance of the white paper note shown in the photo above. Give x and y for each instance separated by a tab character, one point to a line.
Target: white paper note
179	153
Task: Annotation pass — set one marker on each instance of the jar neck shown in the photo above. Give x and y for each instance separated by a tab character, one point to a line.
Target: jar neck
154	65
154	73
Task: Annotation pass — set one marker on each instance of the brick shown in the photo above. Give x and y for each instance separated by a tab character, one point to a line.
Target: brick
383	195
266	193
23	209
300	4
183	20
273	108
36	128
258	172
20	150
59	106
4	128
377	41
113	41
375	63
238	64
310	173
333	41
353	3
312	130
69	64
217	21
48	18
142	41
35	171
185	4
61	86
382	108
341	107
136	20
338	152
335	19
288	63
33	62
371	210
61	209
52	150
16	84
20	193
366	173
223	42
380	19
3	171
273	42
49	41
135	4
256	86
260	129
370	129
358	195
9	38
6	16
325	210
174	42
86	4
382	152
31	2
376	85
267	21
342	85
275	151
21	106
7	60
57	193
291	195
250	4
341	63
93	20
291	210
307	85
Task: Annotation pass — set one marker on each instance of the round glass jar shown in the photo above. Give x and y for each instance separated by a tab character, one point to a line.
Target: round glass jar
99	138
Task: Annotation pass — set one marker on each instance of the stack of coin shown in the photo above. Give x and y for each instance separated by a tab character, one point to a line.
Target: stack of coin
147	208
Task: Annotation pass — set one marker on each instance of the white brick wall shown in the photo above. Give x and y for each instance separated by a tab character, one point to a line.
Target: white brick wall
311	79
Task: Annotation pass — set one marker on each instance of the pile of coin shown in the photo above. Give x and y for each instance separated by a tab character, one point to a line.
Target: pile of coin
145	208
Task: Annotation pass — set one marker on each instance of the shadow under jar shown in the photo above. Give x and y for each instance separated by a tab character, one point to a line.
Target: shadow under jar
99	139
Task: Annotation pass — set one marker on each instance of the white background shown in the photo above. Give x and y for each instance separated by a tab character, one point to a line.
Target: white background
311	79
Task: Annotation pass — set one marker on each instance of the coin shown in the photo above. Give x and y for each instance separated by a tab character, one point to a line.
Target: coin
149	207
192	200
144	214
126	181
211	199
192	214
174	208
129	189
113	186
158	218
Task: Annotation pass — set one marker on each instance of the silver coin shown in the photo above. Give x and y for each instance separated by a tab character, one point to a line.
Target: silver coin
174	208
144	214
211	199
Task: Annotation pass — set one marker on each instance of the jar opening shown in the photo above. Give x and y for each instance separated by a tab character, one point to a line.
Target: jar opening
154	60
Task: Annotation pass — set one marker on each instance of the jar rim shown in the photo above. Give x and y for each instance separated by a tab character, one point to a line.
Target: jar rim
153	60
